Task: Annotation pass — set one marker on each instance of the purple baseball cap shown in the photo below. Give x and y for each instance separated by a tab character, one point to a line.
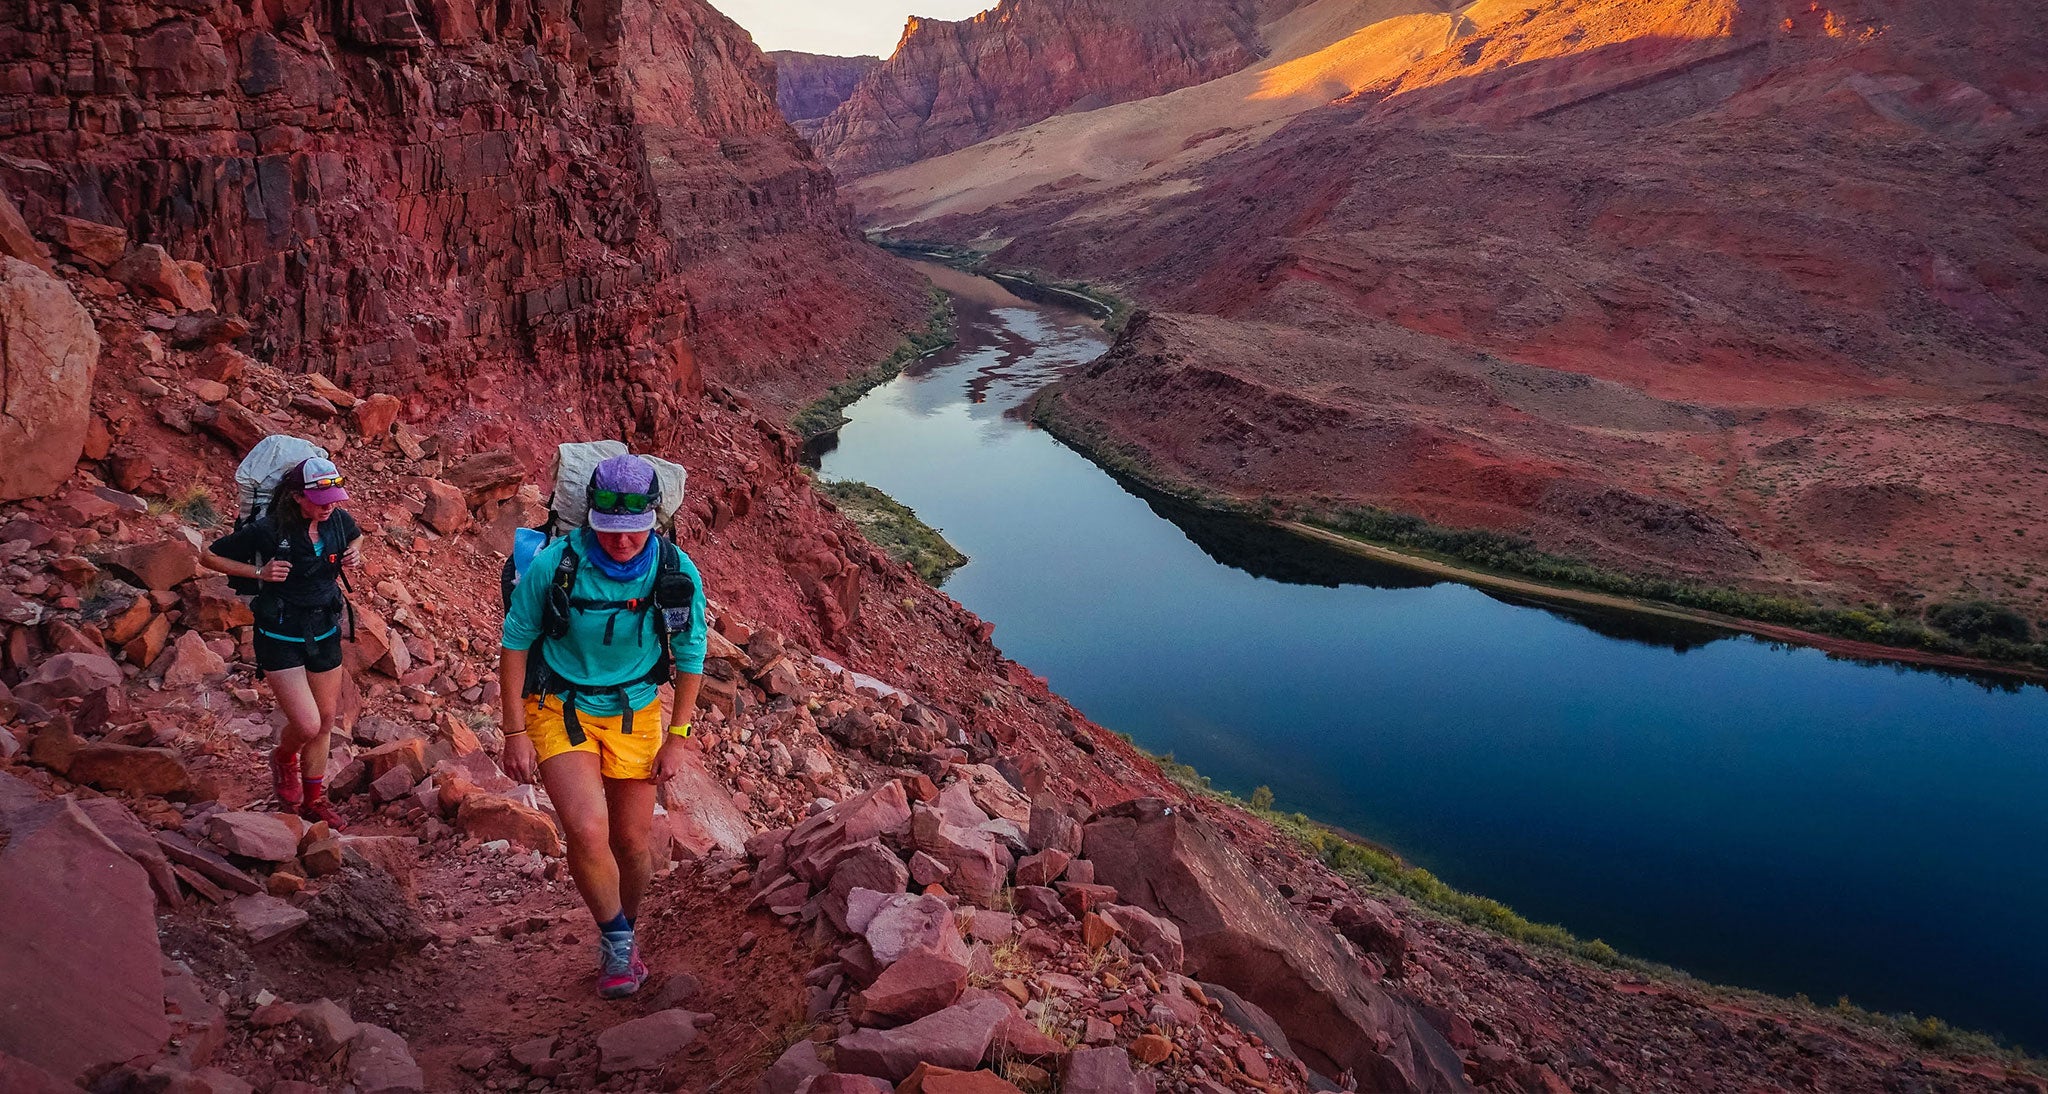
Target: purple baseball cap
322	481
627	475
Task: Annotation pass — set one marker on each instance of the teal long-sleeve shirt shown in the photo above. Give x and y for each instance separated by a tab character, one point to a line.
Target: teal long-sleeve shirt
583	656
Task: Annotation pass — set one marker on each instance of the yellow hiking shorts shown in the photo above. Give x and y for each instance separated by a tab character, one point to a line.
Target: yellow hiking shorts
620	755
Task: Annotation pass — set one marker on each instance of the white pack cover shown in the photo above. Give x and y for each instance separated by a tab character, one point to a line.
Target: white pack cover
574	463
257	475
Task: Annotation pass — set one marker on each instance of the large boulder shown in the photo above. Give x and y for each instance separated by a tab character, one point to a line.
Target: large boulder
699	812
48	351
160	565
1237	931
69	676
81	961
956	1037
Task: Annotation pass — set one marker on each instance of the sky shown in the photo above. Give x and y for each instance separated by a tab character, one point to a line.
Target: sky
843	27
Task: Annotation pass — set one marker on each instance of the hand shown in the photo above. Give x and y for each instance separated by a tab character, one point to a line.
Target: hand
668	763
519	762
353	557
276	569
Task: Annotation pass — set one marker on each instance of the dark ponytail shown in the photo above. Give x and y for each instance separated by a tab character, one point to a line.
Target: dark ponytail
284	511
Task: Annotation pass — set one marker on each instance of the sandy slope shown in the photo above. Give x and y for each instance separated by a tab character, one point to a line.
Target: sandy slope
1320	53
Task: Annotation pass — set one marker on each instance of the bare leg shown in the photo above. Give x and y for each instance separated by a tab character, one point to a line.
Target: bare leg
326	688
578	791
631	802
301	710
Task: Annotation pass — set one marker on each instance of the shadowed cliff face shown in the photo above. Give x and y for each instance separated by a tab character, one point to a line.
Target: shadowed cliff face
402	194
809	86
1667	285
951	84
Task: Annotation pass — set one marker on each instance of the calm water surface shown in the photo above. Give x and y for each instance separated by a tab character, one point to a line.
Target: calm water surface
1756	815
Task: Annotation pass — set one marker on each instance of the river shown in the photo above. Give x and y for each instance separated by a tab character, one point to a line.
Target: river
1756	814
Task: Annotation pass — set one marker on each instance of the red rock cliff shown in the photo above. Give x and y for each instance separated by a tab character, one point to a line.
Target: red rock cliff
950	84
399	195
809	86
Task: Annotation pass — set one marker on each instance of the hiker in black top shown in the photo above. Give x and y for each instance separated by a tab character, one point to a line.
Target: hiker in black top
297	550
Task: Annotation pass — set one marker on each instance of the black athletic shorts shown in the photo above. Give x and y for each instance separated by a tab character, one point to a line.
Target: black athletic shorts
293	637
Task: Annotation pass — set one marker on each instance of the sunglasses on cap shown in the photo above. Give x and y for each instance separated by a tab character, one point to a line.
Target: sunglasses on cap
620	501
324	482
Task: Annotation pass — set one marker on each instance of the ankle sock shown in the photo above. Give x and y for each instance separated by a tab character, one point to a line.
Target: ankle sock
314	785
617	926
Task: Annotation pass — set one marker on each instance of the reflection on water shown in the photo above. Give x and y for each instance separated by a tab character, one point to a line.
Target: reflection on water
1754	813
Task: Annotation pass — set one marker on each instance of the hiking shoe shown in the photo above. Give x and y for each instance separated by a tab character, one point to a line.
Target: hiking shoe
620	972
284	779
320	809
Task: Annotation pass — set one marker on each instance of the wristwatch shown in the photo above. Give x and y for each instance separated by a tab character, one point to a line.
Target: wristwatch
682	730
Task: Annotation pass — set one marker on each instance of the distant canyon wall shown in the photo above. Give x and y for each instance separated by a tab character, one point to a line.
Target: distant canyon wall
951	84
809	86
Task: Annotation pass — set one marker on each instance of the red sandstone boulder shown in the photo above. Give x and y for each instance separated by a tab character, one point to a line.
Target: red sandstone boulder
699	813
1146	933
956	1037
486	477
69	676
192	663
213	607
380	1062
116	822
928	1079
235	425
107	766
898	925
1239	932
375	415
150	269
80	927
921	983
442	507
979	864
1103	1071
16	241
263	836
488	818
816	845
645	1044
159	565
48	352
97	245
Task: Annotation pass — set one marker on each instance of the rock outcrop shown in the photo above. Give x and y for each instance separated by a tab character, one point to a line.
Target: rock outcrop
409	198
951	84
1239	932
78	919
48	350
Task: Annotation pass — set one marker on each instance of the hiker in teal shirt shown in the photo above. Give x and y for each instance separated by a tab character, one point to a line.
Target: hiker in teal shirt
587	718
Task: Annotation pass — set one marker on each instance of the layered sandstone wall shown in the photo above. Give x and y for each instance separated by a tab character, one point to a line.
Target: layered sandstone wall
951	84
407	196
809	86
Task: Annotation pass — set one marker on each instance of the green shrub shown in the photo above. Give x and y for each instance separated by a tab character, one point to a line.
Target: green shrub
1262	799
1976	620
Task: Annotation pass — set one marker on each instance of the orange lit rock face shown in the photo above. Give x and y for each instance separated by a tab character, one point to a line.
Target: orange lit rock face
400	202
1745	292
950	84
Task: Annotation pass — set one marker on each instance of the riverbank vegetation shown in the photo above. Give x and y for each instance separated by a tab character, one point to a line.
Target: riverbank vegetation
1971	629
1378	869
826	414
894	527
1112	308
